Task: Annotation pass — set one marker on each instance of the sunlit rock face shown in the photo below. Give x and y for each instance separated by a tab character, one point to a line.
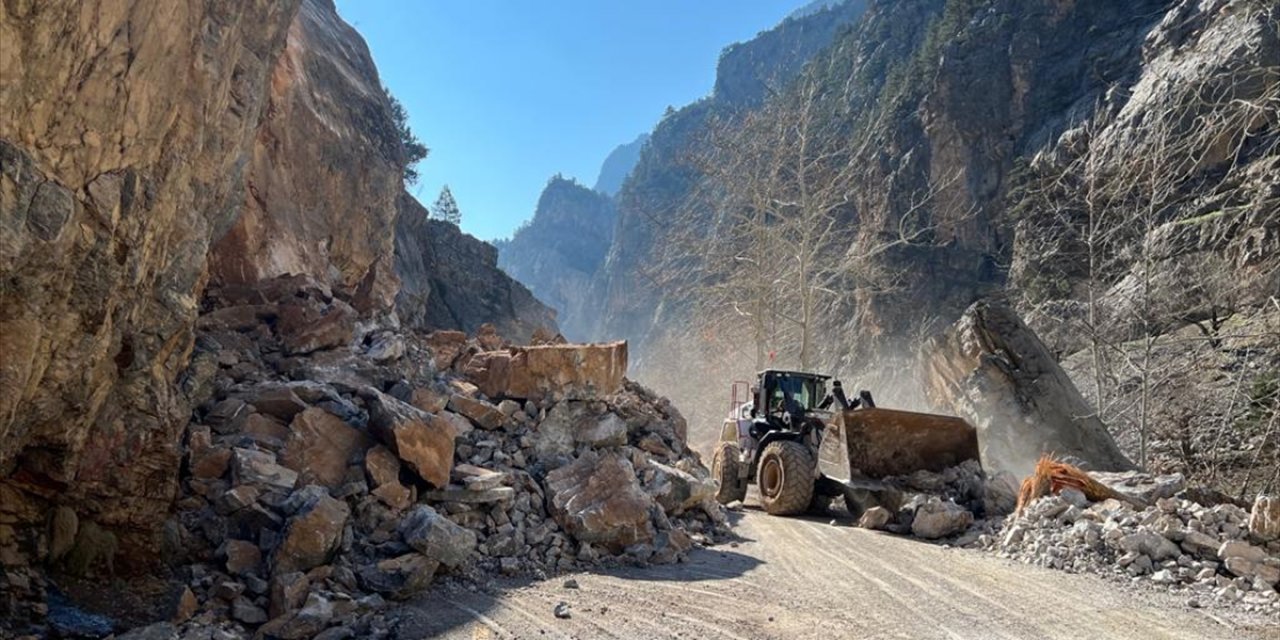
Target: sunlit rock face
127	129
324	170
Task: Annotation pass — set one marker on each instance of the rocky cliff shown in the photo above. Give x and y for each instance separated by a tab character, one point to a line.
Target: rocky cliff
324	171
450	280
1159	117
148	149
123	144
559	251
618	165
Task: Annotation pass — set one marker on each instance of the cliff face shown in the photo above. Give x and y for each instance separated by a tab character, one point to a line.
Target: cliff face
146	150
450	280
324	172
558	252
618	165
628	304
122	147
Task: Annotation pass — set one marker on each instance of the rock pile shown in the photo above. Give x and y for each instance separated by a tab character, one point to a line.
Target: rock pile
332	468
1218	555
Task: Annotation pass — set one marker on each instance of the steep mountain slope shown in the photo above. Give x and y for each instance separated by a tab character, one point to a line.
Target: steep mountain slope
989	138
450	280
324	172
661	181
618	165
561	248
148	150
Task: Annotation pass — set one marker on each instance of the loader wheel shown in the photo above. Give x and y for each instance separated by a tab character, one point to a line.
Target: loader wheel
724	468
785	478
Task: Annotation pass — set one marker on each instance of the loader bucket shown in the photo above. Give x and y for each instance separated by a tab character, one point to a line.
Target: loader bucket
885	442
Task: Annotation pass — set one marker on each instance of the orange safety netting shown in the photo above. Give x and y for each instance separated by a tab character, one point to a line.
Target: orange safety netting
1051	477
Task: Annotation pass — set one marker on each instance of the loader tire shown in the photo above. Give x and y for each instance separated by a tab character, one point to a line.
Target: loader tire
724	468
785	478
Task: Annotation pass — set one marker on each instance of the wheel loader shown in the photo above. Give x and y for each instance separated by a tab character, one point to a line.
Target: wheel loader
801	442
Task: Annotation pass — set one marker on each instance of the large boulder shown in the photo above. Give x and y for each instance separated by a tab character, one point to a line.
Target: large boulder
571	423
598	499
321	446
555	372
399	577
938	519
305	329
677	491
437	537
1264	519
422	440
312	534
992	370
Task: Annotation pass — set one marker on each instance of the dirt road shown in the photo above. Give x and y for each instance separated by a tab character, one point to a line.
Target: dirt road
805	578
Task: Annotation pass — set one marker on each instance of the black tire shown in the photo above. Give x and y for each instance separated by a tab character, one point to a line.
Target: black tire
785	478
724	468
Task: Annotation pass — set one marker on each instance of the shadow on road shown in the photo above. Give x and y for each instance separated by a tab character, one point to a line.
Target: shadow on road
450	607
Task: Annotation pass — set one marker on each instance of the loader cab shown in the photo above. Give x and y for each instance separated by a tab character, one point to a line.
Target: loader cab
793	392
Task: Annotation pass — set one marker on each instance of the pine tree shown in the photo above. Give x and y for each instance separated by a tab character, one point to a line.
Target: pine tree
446	208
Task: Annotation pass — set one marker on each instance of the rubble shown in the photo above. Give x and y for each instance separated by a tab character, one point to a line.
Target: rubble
325	473
1205	553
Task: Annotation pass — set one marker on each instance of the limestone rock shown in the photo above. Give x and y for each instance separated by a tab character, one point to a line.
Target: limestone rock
597	499
560	372
938	519
112	186
399	577
260	468
1264	518
483	414
875	518
421	440
383	470
305	330
677	491
276	401
992	370
436	537
321	446
571	423
311	535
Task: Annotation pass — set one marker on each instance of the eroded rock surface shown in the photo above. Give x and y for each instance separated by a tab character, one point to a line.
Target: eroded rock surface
993	371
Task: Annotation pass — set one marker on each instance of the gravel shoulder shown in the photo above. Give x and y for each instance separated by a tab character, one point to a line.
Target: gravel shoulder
805	578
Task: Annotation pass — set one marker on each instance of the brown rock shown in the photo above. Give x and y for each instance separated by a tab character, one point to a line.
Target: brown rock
597	499
429	400
559	372
311	536
237	318
242	557
321	445
112	183
383	470
487	336
266	430
445	347
422	440
210	462
483	414
186	606
288	591
304	330
278	402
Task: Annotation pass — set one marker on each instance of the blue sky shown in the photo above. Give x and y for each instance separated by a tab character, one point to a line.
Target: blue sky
508	93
